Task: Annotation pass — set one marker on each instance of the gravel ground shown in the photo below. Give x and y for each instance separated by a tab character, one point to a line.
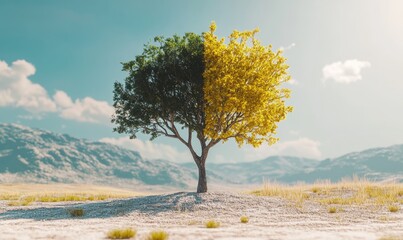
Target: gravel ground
183	215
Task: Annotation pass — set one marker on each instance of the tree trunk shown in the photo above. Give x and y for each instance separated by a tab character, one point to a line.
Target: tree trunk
202	185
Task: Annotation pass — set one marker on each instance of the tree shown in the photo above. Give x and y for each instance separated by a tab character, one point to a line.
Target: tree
216	91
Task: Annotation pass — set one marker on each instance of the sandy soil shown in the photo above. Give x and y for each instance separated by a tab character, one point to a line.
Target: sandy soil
183	216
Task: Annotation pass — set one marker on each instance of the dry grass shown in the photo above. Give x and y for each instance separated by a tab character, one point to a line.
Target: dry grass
391	238
295	193
332	210
315	189
244	219
158	235
346	192
393	208
25	194
212	224
126	233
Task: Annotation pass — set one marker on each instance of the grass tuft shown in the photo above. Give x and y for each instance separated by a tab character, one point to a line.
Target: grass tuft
76	212
315	190
158	235
212	224
126	233
393	208
332	210
244	219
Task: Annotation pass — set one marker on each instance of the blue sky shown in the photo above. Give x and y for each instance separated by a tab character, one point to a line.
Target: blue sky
59	60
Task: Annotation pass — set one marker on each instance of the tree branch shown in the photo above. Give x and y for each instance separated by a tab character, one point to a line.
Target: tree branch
189	136
175	131
213	142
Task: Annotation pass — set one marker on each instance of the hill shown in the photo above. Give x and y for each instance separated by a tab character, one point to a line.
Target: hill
38	156
32	155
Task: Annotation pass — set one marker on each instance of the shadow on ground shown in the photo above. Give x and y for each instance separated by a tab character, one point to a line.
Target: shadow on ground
181	201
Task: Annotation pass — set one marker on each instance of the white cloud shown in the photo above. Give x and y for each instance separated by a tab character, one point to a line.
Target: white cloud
85	110
17	90
287	47
150	150
62	99
344	72
302	147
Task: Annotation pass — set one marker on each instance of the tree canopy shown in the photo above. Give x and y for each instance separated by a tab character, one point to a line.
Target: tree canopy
214	89
242	88
165	85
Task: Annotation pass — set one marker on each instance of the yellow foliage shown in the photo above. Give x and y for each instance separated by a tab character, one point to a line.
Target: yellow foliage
242	88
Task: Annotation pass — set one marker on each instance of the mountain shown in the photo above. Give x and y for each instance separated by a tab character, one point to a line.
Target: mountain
272	168
375	164
41	156
32	155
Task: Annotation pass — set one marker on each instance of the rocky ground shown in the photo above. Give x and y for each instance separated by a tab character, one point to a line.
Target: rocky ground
183	216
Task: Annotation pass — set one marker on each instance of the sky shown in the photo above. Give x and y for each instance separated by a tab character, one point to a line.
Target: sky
60	59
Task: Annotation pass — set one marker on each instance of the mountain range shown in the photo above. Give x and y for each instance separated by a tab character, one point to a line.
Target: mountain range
33	155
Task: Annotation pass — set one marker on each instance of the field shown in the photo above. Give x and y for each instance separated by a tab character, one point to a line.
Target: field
347	210
26	194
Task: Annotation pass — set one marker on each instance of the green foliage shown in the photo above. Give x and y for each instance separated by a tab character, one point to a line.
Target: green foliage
122	233
193	81
164	85
158	235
